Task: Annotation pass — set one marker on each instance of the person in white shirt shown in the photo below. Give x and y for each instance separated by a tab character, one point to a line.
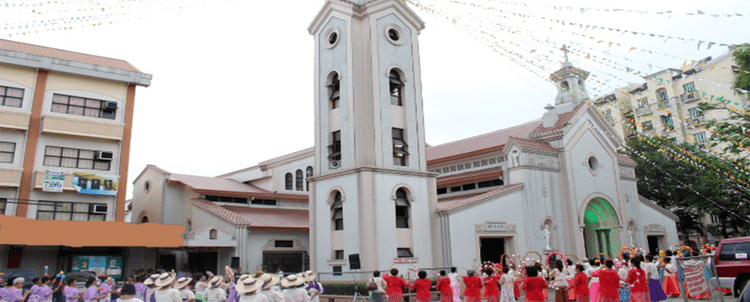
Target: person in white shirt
656	292
127	294
270	287
248	288
166	293
294	289
455	284
215	293
181	285
201	285
378	294
313	286
149	295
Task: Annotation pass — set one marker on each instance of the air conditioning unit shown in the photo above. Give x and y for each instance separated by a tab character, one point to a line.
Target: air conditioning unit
109	105
103	155
100	209
334	164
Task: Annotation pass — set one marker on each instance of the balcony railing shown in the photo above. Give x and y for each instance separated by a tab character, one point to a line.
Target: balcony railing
82	127
696	121
14	119
664	104
643	111
690	97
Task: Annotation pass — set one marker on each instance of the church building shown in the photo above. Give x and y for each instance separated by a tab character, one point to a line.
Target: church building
378	196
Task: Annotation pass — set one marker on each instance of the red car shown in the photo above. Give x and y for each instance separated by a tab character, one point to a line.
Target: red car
732	260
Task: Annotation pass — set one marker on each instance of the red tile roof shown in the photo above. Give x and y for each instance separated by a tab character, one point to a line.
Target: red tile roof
479	144
562	120
220	211
532	144
225	186
273	218
66	55
453	204
625	159
470	176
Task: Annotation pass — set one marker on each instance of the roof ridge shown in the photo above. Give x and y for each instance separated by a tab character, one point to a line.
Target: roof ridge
487	133
65	50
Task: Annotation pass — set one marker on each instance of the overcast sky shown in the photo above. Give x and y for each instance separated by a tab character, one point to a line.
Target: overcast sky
233	80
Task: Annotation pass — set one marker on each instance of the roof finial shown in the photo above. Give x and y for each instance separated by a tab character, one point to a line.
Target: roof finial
565	51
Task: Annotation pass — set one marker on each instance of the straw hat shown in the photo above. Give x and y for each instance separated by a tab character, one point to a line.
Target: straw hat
310	276
293	281
182	282
248	285
150	280
164	280
216	280
269	280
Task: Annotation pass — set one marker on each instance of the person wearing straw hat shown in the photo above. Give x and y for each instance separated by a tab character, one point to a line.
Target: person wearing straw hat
181	285
248	288
151	288
215	293
294	290
128	294
270	287
314	288
166	293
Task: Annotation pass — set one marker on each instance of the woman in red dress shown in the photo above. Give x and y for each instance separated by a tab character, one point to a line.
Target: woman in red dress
670	278
473	287
534	285
394	288
491	289
638	282
580	283
609	283
422	286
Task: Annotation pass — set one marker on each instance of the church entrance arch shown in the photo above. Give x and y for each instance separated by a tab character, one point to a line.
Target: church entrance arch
601	229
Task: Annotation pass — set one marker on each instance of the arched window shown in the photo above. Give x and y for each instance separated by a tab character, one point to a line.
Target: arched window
298	180
581	86
144	219
213	234
402	210
308	174
396	88
662	95
289	180
334	90
564	86
337	212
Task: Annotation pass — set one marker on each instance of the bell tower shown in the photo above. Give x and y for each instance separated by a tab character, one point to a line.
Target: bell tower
570	83
372	199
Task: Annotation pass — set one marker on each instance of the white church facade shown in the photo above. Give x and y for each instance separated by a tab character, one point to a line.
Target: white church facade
376	195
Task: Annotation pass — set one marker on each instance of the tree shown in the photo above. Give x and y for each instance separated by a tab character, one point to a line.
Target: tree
690	183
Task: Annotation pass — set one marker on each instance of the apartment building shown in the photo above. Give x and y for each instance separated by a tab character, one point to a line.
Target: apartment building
666	104
65	132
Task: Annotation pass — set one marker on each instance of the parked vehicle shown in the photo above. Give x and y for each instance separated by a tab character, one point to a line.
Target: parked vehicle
745	296
26	273
733	264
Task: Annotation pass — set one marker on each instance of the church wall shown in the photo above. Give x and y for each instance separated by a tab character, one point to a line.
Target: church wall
173	209
649	219
148	202
465	239
278	178
321	231
257	241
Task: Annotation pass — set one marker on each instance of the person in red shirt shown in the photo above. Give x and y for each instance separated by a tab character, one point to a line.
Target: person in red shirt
491	289
581	284
422	286
473	287
444	286
395	285
638	282
533	285
609	283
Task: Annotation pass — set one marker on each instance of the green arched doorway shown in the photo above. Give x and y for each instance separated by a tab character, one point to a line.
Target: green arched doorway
601	231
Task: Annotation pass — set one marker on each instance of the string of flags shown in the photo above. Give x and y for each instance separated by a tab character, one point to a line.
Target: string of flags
583	10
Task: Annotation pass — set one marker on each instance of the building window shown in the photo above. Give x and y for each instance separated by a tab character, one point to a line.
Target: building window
689	87
402	210
608	114
7	149
468	187
700	137
283	243
11	97
715	219
298	180
667	122
404	252
694	112
642	102
263	202
83	106
334	149
396	88
77	158
400	148
71	211
338	254
288	181
334	91
227	199
337	212
308	174
662	95
213	234
564	86
490	183
441	191
3	205
647	125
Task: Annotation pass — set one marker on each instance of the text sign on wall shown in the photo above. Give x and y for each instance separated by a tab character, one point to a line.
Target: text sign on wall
53	181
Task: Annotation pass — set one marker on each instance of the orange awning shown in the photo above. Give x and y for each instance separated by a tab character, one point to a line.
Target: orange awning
24	231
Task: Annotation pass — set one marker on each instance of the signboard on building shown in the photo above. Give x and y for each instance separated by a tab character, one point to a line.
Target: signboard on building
53	181
95	184
100	265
